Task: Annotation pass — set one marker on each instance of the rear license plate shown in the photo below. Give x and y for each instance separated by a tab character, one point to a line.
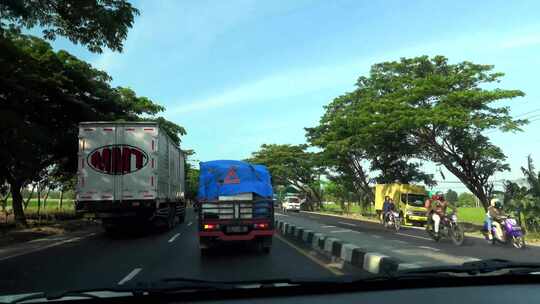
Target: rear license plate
236	229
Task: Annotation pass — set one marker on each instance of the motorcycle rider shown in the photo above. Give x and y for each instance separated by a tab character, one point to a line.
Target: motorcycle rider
436	210
388	206
493	218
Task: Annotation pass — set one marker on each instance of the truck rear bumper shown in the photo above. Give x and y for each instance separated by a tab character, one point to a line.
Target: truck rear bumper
220	236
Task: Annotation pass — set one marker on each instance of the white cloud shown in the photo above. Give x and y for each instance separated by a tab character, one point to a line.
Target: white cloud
521	41
293	82
290	83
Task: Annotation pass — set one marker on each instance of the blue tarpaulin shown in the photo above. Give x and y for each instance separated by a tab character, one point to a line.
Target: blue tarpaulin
231	177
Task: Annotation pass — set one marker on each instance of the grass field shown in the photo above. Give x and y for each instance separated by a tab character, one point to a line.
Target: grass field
471	215
51	206
465	214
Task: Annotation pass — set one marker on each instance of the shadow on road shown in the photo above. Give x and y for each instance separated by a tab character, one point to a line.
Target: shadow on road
232	250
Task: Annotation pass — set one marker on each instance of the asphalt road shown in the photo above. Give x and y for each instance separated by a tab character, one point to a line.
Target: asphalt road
409	245
97	260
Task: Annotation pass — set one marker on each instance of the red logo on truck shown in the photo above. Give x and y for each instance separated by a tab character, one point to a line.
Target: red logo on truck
117	159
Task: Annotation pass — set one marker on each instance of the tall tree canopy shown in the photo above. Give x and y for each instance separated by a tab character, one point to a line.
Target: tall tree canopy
93	23
351	152
424	108
292	165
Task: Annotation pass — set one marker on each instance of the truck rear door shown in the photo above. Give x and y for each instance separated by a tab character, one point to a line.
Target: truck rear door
137	146
95	166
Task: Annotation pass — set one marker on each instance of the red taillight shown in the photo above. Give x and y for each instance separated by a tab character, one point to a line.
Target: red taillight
261	226
210	226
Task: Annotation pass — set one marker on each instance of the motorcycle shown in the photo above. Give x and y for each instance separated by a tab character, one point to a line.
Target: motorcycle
512	234
449	228
392	221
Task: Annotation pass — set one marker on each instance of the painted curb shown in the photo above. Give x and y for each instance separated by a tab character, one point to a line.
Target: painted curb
369	261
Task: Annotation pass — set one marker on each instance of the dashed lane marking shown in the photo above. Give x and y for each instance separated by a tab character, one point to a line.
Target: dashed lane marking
130	276
414	236
430	248
348	224
47	246
189	224
174	237
340	231
328	226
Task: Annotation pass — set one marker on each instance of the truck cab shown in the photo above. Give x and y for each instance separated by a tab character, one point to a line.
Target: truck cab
409	200
412	208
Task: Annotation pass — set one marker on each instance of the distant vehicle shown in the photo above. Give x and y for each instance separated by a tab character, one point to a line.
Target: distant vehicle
130	172
291	203
409	200
236	204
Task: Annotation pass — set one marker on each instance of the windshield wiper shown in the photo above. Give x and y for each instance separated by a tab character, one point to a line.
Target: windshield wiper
173	285
50	296
187	283
476	268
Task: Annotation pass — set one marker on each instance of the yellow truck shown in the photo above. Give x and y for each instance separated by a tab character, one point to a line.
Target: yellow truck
409	200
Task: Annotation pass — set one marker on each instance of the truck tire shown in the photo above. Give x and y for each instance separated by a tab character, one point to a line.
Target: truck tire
182	217
172	218
110	230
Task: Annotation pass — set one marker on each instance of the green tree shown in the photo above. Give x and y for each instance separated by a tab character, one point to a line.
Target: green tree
93	23
351	152
440	112
451	196
43	96
466	199
292	165
192	182
525	200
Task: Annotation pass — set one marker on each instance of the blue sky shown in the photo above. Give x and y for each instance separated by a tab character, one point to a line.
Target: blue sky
238	74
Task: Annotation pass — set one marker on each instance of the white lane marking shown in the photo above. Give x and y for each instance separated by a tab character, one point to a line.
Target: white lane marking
328	226
46	247
430	248
471	259
408	266
130	276
189	224
348	224
414	236
174	238
376	236
281	214
339	231
400	242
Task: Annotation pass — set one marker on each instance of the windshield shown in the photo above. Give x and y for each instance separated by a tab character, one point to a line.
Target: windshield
264	140
416	200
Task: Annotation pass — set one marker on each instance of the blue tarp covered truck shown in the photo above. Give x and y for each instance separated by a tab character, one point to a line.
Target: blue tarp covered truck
235	204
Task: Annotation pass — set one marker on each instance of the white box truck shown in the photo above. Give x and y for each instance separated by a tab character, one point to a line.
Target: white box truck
130	172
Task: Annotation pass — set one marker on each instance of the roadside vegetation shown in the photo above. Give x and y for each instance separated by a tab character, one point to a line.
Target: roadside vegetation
401	114
45	93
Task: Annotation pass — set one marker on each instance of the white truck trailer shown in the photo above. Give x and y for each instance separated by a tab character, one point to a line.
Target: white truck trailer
130	172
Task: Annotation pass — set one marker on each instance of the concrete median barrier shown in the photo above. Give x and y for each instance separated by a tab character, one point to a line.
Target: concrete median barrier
369	261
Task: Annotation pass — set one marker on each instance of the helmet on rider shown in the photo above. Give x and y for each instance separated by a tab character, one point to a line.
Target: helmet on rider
495	202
